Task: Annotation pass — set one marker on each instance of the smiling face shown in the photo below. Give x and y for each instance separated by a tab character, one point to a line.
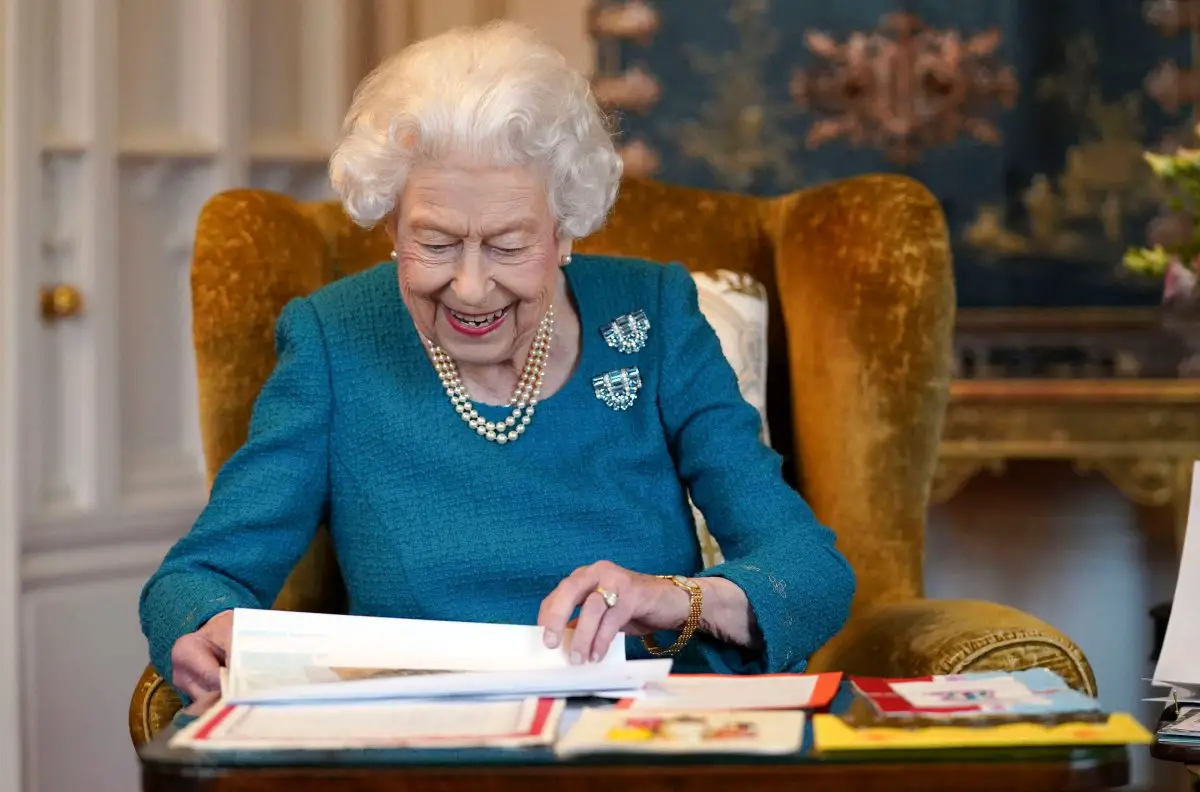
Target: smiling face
478	259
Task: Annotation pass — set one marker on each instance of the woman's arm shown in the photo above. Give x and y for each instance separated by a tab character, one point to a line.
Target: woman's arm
784	588
266	501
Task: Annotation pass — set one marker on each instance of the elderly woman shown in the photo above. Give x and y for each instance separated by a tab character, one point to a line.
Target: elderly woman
494	430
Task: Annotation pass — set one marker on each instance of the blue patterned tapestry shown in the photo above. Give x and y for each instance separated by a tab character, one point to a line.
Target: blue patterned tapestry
1027	118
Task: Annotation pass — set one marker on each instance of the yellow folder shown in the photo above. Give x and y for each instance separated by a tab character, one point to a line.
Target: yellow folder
831	734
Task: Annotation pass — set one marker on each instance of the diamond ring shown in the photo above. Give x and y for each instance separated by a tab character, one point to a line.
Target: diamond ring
610	597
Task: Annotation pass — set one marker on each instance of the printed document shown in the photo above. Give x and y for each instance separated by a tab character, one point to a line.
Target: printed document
282	656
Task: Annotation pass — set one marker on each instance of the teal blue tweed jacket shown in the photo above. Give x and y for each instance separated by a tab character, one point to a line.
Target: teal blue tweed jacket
431	521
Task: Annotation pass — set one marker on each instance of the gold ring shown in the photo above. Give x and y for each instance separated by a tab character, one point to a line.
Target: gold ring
609	597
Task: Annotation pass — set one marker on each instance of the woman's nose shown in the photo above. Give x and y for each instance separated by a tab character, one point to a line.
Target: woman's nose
471	282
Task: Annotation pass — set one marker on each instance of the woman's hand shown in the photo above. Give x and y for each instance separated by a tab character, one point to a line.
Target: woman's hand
197	658
644	604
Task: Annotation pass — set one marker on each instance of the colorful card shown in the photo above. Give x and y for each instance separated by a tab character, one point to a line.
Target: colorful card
1031	693
728	692
831	734
615	731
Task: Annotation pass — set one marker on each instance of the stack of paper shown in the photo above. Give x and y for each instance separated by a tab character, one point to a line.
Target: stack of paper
1185	730
1178	668
307	681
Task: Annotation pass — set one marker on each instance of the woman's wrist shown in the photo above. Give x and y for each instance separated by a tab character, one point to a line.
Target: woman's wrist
727	615
715	601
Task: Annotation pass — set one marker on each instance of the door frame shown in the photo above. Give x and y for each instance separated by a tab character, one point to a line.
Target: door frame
19	119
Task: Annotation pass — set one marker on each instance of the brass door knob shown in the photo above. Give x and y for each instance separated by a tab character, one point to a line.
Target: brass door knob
60	301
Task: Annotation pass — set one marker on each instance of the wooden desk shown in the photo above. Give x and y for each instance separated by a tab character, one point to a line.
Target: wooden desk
1141	434
1087	771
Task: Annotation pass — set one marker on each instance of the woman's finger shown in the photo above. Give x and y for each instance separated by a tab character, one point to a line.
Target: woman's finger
613	621
201	702
195	665
590	614
560	603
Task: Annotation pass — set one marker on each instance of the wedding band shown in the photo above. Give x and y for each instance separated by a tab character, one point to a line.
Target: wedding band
610	597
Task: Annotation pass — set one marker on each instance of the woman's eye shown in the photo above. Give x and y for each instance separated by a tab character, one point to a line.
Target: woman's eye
503	251
437	248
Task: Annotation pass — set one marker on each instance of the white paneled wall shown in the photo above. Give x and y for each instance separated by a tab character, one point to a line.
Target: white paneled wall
120	119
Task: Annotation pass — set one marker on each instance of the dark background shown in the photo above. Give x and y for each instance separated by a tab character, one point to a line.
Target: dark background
712	68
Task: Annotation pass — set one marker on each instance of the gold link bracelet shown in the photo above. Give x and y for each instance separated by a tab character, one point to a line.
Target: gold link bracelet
695	605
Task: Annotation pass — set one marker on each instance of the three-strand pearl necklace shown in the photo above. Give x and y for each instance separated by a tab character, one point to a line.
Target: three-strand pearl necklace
525	395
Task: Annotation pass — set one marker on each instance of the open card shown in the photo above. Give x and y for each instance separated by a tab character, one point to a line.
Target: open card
291	657
615	731
373	724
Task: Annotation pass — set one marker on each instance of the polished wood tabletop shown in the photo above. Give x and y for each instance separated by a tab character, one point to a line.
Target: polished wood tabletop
165	770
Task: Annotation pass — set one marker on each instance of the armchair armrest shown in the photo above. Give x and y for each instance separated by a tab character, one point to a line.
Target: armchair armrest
152	707
927	636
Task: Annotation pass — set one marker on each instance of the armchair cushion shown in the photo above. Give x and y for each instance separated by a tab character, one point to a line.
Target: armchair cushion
735	304
925	637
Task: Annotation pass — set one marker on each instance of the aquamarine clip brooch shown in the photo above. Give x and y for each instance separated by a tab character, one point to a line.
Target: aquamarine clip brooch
628	332
618	389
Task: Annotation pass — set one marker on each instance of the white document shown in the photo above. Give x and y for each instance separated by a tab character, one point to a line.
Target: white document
282	649
703	692
387	724
563	682
287	657
1179	661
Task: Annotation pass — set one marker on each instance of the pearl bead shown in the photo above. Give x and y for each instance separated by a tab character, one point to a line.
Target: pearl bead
524	397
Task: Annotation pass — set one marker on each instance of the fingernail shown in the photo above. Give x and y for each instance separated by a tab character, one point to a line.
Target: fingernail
576	659
595	657
550	639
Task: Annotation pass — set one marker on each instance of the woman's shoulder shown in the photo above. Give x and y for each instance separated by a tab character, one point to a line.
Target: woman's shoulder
365	305
359	299
374	285
623	276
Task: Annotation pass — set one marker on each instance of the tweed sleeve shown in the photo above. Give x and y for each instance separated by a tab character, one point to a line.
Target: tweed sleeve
266	501
798	584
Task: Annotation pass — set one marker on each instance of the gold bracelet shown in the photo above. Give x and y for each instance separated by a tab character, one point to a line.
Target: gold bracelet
690	625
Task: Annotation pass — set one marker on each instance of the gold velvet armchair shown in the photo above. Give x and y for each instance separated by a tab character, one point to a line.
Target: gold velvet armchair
861	314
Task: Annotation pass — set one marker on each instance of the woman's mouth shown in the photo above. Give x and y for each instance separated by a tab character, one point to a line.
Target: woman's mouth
476	324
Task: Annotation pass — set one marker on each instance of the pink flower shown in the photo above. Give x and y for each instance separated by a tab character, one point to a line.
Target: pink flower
1179	282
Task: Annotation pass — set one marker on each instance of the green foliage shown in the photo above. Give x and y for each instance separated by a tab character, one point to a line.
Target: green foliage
1179	173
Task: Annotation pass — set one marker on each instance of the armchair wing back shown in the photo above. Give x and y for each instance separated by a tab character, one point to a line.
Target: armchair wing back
861	310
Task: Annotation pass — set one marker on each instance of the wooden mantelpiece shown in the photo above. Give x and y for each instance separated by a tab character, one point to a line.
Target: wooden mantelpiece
1128	417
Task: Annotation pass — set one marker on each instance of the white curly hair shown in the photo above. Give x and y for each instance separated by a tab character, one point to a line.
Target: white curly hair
493	93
